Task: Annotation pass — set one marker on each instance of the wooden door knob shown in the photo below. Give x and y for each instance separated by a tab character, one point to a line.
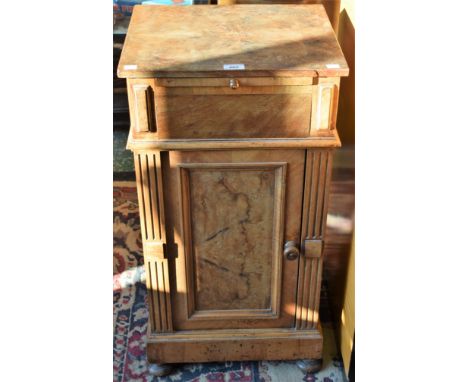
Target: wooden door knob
291	252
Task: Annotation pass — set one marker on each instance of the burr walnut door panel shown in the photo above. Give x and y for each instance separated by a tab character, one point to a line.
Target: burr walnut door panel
229	214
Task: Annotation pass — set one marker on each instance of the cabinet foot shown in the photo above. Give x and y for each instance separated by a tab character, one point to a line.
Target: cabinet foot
309	365
159	369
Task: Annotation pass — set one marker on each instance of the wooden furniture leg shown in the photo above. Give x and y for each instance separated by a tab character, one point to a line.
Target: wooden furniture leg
159	369
309	365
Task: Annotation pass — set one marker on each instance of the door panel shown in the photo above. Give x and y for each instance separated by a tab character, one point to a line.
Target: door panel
234	215
230	213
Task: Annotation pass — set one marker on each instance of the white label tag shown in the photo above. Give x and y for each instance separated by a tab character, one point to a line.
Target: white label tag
333	66
234	66
130	67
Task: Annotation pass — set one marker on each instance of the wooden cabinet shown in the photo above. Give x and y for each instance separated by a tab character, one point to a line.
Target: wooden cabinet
233	134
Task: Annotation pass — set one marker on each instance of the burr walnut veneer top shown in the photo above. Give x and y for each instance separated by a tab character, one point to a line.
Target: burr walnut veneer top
198	41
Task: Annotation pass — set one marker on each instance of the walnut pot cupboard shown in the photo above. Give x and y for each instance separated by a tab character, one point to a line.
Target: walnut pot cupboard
233	112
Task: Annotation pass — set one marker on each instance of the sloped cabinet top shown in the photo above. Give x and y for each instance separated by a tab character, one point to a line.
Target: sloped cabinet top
231	40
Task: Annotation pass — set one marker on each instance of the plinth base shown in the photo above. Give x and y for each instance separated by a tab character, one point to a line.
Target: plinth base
234	345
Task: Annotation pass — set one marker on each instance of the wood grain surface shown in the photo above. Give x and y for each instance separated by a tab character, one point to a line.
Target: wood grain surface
332	7
234	211
314	220
207	108
153	230
269	40
235	345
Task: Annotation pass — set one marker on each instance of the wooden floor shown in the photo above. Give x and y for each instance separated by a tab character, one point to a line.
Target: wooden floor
340	225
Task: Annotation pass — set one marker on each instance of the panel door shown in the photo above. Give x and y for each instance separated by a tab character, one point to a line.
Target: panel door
228	216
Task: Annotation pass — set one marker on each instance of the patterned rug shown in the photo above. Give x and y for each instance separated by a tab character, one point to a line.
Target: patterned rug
131	316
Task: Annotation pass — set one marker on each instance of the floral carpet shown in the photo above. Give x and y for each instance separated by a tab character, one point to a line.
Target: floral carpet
131	317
